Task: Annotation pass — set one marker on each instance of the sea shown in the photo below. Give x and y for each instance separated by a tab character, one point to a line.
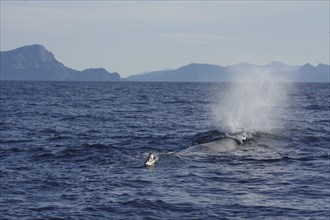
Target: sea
76	150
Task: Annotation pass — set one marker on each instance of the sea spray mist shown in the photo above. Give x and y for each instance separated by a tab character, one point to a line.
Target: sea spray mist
253	101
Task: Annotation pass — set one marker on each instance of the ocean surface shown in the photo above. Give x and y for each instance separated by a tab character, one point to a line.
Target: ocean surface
75	150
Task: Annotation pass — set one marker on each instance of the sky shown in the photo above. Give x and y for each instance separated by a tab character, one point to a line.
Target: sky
131	37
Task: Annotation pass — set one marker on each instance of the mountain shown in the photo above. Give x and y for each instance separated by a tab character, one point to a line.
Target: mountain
36	63
310	73
282	70
213	73
96	74
194	72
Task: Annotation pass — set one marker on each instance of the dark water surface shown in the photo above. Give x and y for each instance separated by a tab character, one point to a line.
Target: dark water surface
75	150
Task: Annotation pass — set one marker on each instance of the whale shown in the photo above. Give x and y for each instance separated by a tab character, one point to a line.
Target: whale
225	144
222	145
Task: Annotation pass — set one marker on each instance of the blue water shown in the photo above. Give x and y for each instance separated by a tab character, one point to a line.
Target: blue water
75	150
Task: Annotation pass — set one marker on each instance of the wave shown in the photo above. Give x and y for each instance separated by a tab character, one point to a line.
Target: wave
59	137
157	205
96	146
84	152
292	158
11	141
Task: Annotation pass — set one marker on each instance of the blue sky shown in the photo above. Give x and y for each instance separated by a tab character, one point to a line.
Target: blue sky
136	36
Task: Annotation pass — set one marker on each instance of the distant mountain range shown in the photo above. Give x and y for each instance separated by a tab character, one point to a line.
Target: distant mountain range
192	73
36	63
195	72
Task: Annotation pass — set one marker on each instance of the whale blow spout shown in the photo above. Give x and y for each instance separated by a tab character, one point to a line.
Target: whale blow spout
151	160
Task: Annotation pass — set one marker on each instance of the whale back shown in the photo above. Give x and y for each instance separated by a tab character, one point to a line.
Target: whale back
222	145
